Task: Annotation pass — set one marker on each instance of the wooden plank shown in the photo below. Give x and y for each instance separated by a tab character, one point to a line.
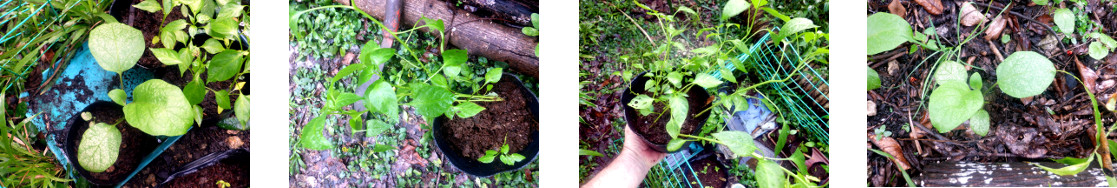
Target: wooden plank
467	31
1002	174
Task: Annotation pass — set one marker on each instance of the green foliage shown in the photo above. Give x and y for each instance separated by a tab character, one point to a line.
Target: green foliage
1025	74
873	78
117	47
733	8
953	103
118	96
1064	19
99	147
159	108
886	32
503	155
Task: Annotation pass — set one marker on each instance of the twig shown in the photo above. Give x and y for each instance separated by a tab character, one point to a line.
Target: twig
995	50
638	27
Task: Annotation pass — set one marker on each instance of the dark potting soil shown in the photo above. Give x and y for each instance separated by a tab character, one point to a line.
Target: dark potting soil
234	173
135	144
198	142
149	24
509	121
654	126
709	172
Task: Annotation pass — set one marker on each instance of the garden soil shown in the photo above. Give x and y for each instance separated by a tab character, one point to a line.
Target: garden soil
709	172
234	172
198	142
1055	124
509	121
150	24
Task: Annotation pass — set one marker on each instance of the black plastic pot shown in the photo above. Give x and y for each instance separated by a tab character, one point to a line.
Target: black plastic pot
472	166
233	156
77	126
630	114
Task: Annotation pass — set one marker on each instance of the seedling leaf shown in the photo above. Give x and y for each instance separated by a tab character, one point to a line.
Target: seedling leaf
769	174
679	109
241	109
149	6
979	123
952	103
311	136
874	79
1068	170
381	98
886	32
160	109
1025	74
118	96
99	148
431	101
738	142
950	71
1064	19
733	8
195	92
116	46
707	81
493	75
225	65
468	109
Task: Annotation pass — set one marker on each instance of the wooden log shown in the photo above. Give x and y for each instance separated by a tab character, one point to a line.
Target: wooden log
464	30
1004	174
513	11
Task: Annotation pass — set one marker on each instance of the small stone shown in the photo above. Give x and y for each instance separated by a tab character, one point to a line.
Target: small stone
893	66
872	108
234	142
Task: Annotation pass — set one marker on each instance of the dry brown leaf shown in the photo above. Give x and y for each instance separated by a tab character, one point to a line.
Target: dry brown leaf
995	28
890	146
898	9
1089	77
971	16
932	6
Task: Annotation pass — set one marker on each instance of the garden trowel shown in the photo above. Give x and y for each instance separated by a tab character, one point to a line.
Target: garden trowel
391	24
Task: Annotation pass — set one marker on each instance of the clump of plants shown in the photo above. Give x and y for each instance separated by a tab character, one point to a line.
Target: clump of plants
672	77
958	97
159	108
432	95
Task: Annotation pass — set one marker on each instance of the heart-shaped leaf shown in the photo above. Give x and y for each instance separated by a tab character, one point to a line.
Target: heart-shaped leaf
115	46
1025	74
953	103
99	147
950	71
160	109
1064	19
886	32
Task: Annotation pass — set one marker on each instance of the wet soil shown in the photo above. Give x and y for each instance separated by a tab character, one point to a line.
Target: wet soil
710	172
509	121
1055	124
233	170
198	142
149	24
135	144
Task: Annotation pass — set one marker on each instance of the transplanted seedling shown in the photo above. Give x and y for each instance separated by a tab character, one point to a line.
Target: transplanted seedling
100	145
502	154
957	99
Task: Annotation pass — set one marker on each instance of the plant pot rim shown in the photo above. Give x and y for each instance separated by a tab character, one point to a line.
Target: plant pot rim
630	114
472	166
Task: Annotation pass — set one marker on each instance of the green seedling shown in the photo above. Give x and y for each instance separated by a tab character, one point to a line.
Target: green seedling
957	99
502	154
432	96
223	184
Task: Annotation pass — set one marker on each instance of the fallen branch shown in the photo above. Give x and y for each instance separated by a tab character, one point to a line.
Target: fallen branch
477	35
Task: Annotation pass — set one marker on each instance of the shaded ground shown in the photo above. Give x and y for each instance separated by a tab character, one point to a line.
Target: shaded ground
1055	124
